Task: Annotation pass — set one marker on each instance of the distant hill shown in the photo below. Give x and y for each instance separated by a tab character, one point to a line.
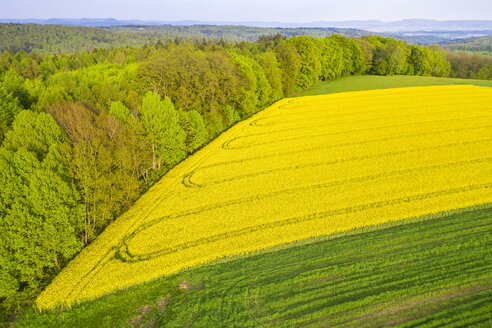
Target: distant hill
94	22
418	31
408	25
371	25
57	39
235	32
49	39
59	35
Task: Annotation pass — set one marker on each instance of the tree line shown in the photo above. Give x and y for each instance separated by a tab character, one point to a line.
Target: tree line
469	66
83	135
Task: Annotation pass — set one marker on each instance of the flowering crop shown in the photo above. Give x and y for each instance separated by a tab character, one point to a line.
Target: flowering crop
302	168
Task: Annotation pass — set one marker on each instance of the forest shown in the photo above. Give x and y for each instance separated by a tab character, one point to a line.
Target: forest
475	45
58	39
84	134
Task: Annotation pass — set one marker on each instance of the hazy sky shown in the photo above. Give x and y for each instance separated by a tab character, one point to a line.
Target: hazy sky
249	10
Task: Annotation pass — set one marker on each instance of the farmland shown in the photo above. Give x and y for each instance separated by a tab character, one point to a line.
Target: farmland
352	159
433	272
373	82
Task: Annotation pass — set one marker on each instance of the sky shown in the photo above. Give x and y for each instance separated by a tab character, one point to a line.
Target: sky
249	10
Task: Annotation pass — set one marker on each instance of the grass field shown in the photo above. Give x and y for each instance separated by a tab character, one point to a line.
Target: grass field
303	168
433	273
373	82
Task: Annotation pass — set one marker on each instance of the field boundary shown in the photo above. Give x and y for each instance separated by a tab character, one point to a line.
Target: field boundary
336	235
288	246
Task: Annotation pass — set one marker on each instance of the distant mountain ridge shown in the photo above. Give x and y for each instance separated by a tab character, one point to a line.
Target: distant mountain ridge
418	25
370	25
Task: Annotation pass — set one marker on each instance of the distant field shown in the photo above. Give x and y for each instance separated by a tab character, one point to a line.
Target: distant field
372	82
305	167
475	52
433	273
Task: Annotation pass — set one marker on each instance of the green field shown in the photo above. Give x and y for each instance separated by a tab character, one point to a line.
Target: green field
372	82
430	272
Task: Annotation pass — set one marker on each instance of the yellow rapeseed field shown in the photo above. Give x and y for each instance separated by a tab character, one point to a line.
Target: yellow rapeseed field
302	168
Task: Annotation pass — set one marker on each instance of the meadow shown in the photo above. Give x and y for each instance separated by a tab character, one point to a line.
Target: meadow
305	167
413	273
373	82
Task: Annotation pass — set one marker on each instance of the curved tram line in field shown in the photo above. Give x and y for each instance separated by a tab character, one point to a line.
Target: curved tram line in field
243	161
187	181
227	144
123	253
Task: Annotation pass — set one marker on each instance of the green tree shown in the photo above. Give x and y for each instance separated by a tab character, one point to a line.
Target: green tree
192	124
40	212
246	99
389	59
9	108
390	56
428	62
290	65
368	53
104	160
14	84
34	132
309	50
120	111
269	64
161	123
332	60
230	116
31	69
